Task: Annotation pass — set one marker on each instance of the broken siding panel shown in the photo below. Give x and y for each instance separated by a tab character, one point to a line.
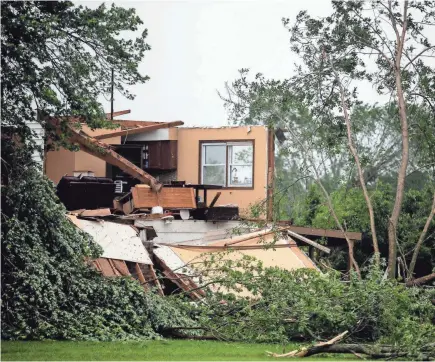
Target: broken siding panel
172	260
118	241
197	232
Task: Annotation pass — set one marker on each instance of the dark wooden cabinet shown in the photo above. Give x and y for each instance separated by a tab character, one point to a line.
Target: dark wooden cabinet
161	155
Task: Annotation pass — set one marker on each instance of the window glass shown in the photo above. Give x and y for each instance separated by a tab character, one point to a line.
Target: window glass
214	154
213	175
240	176
228	164
241	155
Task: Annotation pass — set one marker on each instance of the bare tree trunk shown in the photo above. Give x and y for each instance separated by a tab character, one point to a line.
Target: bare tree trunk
334	215
328	199
421	239
422	280
354	152
394	218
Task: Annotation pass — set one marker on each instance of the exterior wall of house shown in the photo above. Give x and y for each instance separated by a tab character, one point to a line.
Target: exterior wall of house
63	162
189	161
59	163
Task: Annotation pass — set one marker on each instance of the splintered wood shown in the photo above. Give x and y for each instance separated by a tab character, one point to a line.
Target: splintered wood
169	197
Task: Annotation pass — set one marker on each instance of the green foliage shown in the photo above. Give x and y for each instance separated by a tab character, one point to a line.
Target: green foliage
305	304
350	206
48	289
59	57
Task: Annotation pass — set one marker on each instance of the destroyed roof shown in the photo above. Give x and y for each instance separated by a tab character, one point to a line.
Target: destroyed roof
118	241
281	252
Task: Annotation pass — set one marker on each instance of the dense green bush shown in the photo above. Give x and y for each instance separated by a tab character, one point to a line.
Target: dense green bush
351	209
49	291
304	304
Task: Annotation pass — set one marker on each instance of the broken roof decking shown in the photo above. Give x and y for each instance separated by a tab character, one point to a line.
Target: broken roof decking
118	241
136	127
189	260
282	253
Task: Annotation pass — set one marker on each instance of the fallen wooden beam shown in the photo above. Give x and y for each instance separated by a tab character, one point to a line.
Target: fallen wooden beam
105	153
213	202
141	129
309	242
118	113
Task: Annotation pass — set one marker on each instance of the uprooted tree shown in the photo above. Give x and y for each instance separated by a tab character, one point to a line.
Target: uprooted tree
56	61
382	44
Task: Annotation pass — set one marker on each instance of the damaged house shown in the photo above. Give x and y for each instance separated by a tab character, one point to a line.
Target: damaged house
161	199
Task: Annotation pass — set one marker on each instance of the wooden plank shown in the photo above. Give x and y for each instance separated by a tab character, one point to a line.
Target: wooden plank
138	130
118	113
155	281
323	232
270	172
104	152
309	242
121	267
97	212
168	197
213	202
327	233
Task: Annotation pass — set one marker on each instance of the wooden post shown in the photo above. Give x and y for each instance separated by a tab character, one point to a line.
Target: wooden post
349	262
270	171
311	252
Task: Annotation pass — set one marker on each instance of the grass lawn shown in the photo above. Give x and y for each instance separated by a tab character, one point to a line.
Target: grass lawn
164	350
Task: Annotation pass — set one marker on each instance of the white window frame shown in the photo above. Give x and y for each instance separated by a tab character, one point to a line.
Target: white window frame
203	164
228	163
229	159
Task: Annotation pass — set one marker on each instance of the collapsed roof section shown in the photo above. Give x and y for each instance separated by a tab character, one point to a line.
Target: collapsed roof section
93	146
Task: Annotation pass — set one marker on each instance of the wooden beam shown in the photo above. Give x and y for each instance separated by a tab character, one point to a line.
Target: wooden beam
215	199
309	242
270	171
327	233
119	113
141	129
104	152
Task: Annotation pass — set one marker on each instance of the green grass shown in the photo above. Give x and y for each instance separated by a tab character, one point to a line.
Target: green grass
164	350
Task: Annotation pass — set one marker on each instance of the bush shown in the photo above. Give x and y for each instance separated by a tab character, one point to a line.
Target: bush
304	304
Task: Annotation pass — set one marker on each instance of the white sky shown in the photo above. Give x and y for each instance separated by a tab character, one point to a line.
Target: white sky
199	45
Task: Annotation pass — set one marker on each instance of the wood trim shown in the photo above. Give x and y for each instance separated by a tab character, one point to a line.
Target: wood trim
138	130
270	172
118	113
252	140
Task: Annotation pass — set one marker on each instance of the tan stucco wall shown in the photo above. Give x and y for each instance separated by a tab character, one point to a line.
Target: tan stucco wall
63	162
59	163
188	161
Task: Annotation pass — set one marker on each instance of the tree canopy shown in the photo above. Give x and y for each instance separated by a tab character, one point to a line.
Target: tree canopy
57	60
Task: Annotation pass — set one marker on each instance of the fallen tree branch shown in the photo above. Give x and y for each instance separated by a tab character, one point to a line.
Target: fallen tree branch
302	352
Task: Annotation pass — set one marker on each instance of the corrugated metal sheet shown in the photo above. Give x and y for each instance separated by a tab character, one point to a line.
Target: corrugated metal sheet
117	240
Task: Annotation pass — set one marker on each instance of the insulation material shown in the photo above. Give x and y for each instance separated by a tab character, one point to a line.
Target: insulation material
119	241
168	197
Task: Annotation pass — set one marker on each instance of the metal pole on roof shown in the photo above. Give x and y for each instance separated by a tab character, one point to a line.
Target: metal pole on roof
111	98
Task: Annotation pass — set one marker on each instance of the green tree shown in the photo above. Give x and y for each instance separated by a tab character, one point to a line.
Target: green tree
57	60
337	54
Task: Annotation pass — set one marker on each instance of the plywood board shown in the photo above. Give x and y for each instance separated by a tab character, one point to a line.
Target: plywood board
168	197
119	241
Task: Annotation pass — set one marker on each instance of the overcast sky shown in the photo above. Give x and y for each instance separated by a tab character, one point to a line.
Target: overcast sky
199	45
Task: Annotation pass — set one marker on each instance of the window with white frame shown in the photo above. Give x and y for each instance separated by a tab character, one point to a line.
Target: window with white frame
229	164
